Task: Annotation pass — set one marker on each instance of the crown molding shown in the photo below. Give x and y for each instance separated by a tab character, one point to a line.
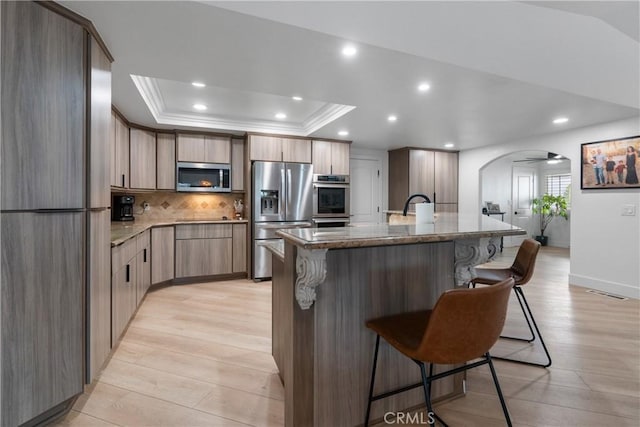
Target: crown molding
152	96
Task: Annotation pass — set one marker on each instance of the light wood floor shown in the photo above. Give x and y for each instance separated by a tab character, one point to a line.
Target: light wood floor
200	355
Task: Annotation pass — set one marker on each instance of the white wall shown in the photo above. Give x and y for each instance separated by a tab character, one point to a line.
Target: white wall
605	246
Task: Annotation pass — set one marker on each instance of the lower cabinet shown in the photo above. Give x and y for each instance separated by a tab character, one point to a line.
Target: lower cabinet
239	248
130	279
162	254
143	265
203	250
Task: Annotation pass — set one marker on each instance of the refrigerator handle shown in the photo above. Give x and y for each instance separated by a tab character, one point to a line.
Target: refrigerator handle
283	193
289	195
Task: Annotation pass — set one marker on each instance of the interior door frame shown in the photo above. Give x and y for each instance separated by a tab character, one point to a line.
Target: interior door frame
383	158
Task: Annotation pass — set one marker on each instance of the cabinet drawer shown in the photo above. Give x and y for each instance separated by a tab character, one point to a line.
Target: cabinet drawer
121	255
143	240
203	231
203	257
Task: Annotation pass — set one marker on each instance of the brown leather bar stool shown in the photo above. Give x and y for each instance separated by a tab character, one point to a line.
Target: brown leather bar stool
521	270
463	325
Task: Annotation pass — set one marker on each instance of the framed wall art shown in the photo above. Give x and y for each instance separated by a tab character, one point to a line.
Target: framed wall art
610	164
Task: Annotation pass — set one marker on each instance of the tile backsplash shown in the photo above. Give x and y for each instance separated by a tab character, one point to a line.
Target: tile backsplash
166	205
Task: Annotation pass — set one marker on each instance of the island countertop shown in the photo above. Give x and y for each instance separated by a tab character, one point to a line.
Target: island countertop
448	226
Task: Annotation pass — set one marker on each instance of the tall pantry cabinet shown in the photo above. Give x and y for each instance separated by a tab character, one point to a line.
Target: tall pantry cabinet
429	172
52	199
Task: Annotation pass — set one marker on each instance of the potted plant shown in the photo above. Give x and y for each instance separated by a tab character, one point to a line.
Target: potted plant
549	207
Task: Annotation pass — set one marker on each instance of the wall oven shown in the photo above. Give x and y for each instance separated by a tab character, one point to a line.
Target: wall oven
331	197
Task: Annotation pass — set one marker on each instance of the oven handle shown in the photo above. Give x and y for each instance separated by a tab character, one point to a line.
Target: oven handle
323	220
330	185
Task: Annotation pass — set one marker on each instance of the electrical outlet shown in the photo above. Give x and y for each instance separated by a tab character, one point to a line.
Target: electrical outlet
628	210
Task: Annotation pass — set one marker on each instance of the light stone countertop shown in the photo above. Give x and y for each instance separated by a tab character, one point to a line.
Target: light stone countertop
121	231
447	226
276	247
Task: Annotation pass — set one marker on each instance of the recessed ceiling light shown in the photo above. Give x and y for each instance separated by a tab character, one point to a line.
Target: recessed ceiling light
198	84
560	120
281	116
423	87
557	156
349	50
199	107
553	162
449	145
392	118
296	98
343	133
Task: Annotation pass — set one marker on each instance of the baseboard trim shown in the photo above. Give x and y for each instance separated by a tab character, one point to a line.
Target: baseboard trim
605	286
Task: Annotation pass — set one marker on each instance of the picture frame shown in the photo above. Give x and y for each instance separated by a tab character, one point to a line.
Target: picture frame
610	164
493	208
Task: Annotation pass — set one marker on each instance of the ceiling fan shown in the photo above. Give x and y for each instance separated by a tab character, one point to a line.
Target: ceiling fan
551	157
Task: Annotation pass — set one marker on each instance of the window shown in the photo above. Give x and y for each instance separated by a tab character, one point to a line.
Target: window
559	185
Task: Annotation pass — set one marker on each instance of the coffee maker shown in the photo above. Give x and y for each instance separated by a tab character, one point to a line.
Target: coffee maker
122	208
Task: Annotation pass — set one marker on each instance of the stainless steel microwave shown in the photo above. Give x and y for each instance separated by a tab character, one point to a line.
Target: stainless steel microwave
203	177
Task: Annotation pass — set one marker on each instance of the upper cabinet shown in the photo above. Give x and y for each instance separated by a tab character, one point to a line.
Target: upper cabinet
237	165
166	161
43	109
433	173
119	152
204	148
331	158
100	127
279	149
143	159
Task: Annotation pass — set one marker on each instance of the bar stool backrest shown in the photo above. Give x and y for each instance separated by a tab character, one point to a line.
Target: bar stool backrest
525	261
465	324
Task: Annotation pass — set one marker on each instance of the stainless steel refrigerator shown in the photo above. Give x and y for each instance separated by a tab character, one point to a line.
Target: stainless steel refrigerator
282	198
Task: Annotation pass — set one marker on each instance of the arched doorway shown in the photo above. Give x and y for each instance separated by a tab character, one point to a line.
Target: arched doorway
513	180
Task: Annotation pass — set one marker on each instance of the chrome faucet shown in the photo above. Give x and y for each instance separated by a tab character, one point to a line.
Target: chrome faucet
406	204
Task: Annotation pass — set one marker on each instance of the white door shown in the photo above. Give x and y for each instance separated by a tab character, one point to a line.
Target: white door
523	184
366	191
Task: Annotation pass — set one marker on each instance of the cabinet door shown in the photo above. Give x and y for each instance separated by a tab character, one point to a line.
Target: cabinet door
421	174
123	298
203	257
100	128
266	148
114	179
143	159
237	165
143	273
162	254
43	109
122	153
296	150
190	148
99	292
166	165
321	157
446	177
217	149
339	158
446	207
239	248
42	287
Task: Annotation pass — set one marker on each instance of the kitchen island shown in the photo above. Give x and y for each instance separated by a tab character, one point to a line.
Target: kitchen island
331	280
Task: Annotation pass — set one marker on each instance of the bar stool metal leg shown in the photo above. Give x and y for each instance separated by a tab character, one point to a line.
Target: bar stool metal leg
373	378
524	313
495	381
535	325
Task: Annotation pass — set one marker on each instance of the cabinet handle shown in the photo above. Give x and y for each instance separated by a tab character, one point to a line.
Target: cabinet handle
144	255
128	271
123	180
